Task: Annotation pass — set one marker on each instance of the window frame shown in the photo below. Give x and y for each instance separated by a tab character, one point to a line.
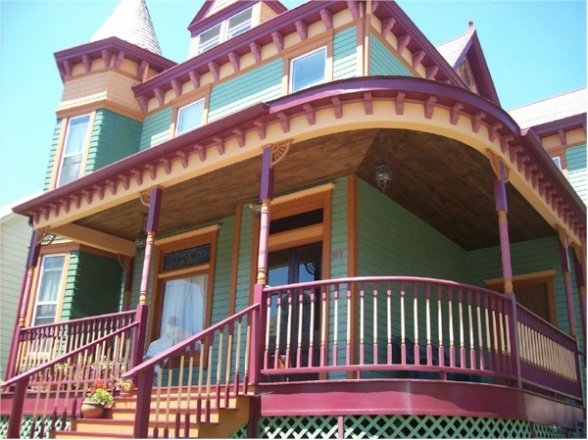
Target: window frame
39	284
81	153
224	30
293	60
179	115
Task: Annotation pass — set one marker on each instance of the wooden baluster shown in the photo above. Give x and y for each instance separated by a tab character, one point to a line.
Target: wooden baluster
502	340
311	329
324	303
361	325
200	379
267	332
415	319
441	355
335	325
300	320
189	395
428	322
389	358
462	350
208	379
278	328
238	355
471	331
481	362
228	360
180	395
402	326
495	344
451	329
348	332
289	329
488	334
247	355
375	329
219	362
167	400
158	399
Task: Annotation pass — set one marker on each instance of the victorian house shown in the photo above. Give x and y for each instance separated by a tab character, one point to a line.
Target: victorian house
318	225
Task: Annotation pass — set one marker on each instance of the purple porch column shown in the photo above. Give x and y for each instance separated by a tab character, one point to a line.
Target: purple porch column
565	268
142	307
265	194
23	301
501	203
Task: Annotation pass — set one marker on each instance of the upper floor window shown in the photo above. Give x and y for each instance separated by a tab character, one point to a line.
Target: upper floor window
225	30
190	117
73	149
308	70
50	281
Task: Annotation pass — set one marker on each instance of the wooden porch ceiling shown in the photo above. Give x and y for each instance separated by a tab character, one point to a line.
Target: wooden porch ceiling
443	182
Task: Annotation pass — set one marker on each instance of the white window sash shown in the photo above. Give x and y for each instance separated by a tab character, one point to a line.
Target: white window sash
44	271
66	157
294	61
179	128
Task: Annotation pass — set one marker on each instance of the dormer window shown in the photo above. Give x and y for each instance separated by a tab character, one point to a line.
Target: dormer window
308	70
73	149
225	30
190	117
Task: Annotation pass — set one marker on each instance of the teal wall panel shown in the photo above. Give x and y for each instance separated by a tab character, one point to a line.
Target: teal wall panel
156	128
260	84
345	54
52	153
244	260
222	276
392	241
70	286
97	285
577	175
339	226
384	62
113	137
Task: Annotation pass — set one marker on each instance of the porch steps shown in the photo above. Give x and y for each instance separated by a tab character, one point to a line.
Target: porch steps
118	422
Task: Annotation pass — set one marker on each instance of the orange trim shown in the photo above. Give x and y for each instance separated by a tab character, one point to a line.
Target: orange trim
235	260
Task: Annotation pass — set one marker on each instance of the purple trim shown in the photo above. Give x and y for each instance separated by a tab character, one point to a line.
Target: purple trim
260	35
413	397
132	52
267	175
34	250
552	127
153	215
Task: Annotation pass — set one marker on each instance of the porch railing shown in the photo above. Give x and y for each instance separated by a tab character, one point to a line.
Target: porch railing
57	388
43	343
414	328
191	379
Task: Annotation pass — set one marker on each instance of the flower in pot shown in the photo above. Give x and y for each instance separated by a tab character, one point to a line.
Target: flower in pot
126	387
97	399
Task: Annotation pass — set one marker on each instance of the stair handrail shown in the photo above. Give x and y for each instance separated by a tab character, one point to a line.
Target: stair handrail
21	381
142	374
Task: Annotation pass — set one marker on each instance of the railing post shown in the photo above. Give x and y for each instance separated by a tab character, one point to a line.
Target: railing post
142	410
513	333
17	408
257	325
140	335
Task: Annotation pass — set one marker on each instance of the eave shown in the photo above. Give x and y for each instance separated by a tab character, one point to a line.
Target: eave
553	127
111	48
490	129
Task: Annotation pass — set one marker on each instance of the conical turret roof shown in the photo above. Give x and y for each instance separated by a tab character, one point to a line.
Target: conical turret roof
130	21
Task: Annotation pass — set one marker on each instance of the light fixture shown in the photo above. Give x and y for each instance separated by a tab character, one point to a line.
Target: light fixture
383	176
255	207
141	237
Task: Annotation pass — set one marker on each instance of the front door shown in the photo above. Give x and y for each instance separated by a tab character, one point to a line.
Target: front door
297	265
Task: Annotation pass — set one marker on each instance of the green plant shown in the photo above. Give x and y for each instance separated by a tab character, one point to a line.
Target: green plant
100	395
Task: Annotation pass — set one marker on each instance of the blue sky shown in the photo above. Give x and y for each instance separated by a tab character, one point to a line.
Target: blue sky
535	49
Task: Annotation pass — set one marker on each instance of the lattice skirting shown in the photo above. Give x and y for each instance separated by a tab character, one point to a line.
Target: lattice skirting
42	426
359	427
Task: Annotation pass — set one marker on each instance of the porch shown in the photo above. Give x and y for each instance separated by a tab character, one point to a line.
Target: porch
425	347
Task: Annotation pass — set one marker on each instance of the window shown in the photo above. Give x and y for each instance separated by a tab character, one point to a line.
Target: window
50	282
225	30
190	117
308	70
557	161
73	148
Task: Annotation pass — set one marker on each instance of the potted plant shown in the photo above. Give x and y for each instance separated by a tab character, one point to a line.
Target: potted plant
126	387
97	399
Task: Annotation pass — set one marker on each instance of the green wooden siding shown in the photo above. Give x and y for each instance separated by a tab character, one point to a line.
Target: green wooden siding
339	229
384	62
222	268
244	260
261	84
93	285
576	160
113	137
392	241
156	128
345	54
52	153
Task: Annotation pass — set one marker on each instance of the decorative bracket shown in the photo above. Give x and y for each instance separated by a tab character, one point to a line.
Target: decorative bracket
495	163
279	151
